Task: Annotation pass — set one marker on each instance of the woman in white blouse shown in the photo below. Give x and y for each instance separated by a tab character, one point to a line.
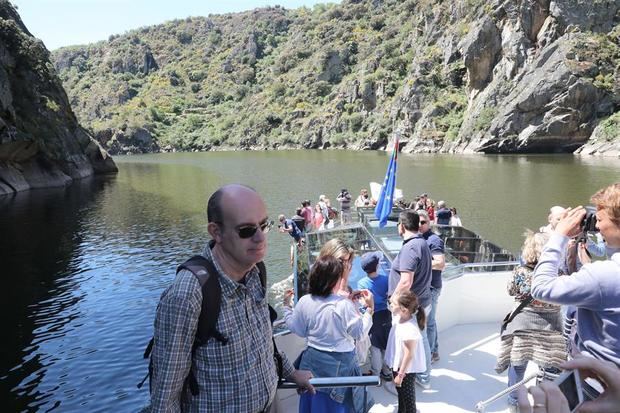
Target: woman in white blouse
331	323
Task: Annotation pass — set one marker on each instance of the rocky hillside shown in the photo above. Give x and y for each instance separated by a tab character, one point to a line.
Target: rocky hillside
509	76
41	142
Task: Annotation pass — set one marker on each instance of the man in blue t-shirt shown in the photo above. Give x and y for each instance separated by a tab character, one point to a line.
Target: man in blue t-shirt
288	225
411	270
436	245
382	317
443	214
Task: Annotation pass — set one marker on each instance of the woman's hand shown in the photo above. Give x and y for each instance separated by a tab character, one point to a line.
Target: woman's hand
368	299
547	399
398	380
288	298
605	372
570	224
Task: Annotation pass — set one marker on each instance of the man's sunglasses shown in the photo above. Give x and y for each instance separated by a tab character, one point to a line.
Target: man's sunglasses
248	231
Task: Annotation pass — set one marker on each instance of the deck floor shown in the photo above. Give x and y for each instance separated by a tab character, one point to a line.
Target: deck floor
463	376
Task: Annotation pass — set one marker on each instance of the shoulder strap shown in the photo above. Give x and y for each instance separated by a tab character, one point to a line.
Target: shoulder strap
205	273
262	274
516	311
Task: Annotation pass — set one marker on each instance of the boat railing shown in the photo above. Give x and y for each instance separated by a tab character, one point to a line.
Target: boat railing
347	381
455	271
318	382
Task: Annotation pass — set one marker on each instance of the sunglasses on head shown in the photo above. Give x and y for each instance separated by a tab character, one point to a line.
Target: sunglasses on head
248	231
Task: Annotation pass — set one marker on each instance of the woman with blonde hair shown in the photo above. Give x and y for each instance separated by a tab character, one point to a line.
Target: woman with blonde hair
534	333
339	249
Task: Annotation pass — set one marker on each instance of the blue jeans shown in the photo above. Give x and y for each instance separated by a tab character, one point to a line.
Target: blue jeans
426	376
334	364
515	375
431	324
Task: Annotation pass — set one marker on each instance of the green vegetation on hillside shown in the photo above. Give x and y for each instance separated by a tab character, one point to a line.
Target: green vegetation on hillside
335	75
266	77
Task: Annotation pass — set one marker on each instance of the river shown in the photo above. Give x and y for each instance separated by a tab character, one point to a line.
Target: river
84	266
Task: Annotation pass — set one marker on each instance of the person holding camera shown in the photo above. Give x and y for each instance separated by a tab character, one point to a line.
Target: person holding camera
547	397
344	198
331	323
595	289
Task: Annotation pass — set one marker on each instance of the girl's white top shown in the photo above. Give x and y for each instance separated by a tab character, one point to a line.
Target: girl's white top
330	323
400	333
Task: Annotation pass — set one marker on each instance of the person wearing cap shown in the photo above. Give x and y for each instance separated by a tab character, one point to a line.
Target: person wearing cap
377	283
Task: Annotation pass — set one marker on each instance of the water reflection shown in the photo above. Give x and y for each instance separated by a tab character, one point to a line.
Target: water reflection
39	255
89	262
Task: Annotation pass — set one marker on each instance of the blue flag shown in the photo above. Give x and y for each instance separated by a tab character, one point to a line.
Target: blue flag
386	198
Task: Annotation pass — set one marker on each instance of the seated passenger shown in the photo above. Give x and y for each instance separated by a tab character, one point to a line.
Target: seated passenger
331	323
595	289
363	200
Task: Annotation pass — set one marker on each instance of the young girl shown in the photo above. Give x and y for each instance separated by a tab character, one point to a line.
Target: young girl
405	352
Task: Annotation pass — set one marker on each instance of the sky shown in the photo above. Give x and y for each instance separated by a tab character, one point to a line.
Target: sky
70	22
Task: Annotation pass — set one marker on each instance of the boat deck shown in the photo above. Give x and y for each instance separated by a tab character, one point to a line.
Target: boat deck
463	376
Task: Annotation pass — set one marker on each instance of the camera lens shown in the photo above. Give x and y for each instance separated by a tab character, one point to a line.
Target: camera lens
588	224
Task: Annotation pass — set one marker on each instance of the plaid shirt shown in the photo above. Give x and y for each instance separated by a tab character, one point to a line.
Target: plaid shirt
240	376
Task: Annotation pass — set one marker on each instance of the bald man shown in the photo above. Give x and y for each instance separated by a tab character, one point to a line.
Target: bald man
237	373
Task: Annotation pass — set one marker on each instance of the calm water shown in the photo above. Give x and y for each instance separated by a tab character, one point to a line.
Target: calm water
84	266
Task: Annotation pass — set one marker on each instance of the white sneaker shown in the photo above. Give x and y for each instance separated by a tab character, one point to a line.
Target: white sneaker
425	385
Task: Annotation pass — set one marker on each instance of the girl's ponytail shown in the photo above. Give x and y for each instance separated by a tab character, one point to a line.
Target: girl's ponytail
420	316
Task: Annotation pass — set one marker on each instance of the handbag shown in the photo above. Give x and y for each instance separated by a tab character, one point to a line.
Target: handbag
511	315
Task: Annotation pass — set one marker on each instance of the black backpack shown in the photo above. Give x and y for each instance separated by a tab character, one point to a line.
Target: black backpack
206	274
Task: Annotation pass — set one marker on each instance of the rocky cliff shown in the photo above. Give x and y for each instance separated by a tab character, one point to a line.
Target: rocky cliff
508	76
41	142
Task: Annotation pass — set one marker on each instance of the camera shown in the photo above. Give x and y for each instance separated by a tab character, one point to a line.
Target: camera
570	385
588	224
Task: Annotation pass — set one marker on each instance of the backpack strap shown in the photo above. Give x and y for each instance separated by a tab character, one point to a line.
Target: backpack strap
262	274
206	274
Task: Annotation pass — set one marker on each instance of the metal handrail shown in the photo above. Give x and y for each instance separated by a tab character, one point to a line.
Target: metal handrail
489	264
347	381
481	406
